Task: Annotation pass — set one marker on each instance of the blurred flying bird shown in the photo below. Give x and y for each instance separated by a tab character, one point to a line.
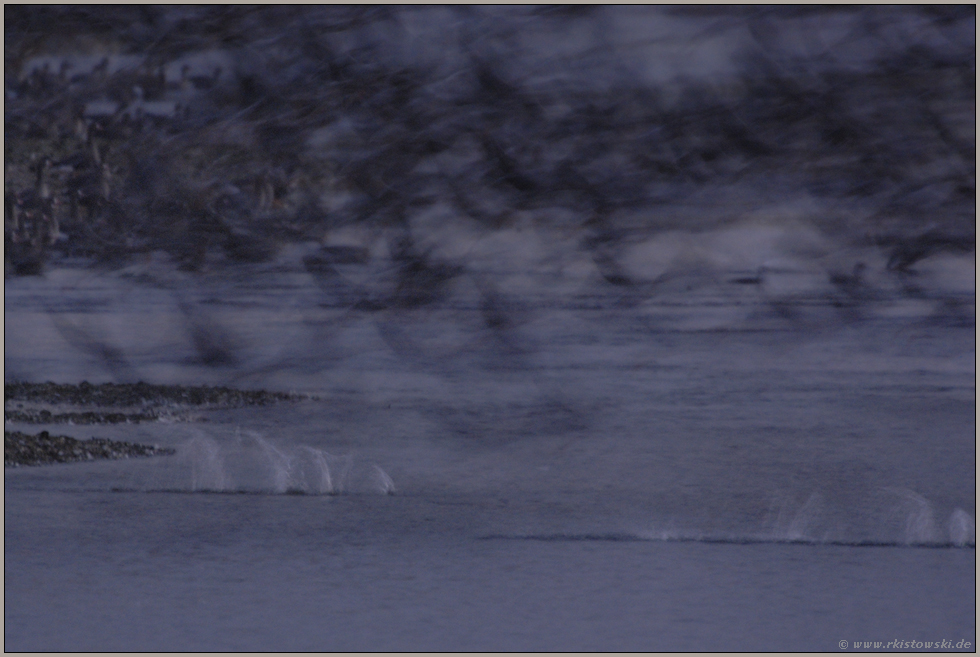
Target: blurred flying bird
110	357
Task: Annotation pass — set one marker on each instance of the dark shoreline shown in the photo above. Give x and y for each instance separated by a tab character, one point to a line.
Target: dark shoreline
141	394
150	402
35	416
44	449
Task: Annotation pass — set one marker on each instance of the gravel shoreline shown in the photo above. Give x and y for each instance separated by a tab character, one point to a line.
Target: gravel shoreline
44	449
142	394
109	403
35	416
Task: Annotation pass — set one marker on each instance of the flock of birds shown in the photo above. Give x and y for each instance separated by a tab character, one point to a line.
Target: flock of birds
411	283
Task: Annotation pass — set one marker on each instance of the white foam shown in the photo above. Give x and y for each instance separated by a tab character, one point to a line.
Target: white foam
962	529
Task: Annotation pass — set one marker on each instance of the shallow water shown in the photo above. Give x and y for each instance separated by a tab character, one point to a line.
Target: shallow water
695	471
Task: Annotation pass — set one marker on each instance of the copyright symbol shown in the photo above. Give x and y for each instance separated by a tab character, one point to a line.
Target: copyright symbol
843	645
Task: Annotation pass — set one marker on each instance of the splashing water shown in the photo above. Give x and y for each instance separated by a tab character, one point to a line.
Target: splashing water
322	481
920	522
324	473
385	483
669	534
260	465
804	519
799	525
962	529
207	465
308	470
909	521
281	465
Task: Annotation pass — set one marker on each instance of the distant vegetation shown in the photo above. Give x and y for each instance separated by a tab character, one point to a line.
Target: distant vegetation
232	130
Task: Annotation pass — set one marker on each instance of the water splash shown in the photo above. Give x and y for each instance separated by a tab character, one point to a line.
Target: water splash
720	539
385	483
252	463
892	516
322	481
798	526
962	529
307	469
671	534
281	466
324	473
920	522
804	519
207	465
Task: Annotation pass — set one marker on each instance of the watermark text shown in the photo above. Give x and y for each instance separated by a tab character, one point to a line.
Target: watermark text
899	644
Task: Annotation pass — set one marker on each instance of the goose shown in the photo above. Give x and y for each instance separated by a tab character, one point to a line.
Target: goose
851	285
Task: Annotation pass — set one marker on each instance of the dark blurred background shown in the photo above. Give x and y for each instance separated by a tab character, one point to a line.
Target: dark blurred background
227	132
